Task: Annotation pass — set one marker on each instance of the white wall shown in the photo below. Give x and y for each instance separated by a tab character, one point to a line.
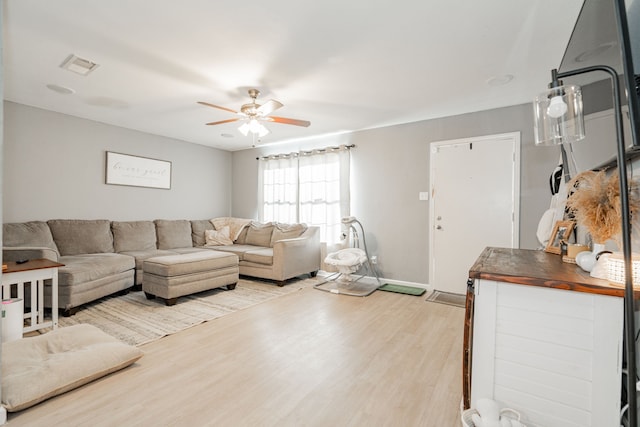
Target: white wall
55	168
390	166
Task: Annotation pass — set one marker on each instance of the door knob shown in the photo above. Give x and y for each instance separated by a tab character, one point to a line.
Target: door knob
438	227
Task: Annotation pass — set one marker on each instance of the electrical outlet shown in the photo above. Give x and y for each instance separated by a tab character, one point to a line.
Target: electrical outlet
374	259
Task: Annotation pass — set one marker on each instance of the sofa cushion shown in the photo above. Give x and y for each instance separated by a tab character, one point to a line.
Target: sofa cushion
198	227
82	236
30	234
259	234
217	237
88	267
133	235
140	256
239	250
259	256
174	233
286	231
37	368
177	265
188	250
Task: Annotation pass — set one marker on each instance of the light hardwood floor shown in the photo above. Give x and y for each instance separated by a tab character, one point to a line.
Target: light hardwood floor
310	358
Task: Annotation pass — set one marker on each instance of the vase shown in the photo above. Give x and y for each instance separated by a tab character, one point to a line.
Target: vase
587	260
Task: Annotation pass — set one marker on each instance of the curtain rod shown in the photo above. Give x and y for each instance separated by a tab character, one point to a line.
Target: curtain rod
305	152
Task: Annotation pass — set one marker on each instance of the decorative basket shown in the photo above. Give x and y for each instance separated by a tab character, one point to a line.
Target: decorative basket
506	412
616	271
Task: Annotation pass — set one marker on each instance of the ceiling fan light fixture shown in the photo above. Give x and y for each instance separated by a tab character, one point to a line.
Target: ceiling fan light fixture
255	127
244	129
263	131
253	114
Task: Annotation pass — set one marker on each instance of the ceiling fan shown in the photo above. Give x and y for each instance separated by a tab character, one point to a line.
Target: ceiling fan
254	113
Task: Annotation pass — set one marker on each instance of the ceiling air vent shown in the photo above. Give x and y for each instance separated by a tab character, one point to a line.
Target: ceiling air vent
78	65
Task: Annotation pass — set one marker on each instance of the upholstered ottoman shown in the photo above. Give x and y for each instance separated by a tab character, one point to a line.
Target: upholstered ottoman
173	276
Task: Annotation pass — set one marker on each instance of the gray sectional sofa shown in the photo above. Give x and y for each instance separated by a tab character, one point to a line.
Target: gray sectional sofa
103	257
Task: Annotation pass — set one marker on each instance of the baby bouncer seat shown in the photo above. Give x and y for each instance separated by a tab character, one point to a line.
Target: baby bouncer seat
347	262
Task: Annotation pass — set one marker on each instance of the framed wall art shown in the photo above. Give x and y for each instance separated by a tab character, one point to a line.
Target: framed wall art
561	232
136	171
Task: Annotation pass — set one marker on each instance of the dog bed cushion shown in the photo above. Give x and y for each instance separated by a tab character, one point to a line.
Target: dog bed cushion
37	368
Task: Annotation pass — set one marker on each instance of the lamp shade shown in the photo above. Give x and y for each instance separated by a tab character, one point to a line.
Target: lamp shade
244	129
616	269
558	116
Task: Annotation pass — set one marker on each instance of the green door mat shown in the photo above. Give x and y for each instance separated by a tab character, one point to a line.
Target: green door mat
401	289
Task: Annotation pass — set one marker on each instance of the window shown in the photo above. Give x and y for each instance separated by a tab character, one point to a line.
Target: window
279	189
310	187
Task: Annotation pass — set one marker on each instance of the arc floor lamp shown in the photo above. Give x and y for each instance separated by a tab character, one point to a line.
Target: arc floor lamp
559	120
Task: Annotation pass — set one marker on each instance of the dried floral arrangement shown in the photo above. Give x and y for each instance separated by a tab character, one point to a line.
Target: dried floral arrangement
595	203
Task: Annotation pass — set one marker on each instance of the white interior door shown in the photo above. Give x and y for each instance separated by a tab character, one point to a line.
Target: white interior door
475	186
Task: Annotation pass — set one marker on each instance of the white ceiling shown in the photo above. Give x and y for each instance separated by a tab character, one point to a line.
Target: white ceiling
344	65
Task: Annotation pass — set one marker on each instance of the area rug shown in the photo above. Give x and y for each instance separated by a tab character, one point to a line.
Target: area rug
135	320
457	300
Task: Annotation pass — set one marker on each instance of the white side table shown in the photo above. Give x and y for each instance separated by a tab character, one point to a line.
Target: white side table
34	271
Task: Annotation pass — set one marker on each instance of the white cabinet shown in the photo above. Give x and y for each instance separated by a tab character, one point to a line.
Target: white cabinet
554	355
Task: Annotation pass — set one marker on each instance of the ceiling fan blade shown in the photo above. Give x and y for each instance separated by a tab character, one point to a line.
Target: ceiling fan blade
222	121
268	107
287	121
218	107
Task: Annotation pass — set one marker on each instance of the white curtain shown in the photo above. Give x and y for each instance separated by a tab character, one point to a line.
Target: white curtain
324	191
278	189
312	187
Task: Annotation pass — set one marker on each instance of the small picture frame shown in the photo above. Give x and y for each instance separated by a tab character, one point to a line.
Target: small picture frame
561	232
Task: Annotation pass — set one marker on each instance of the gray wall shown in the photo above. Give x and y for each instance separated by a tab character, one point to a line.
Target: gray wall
390	166
3	414
55	168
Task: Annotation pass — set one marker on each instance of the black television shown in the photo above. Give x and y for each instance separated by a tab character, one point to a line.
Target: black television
599	38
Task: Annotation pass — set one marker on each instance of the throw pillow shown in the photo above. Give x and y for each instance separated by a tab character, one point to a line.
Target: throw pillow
259	234
236	225
220	222
217	237
287	231
242	237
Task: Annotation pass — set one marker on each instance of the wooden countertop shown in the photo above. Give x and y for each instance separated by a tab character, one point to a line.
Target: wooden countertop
33	264
539	268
